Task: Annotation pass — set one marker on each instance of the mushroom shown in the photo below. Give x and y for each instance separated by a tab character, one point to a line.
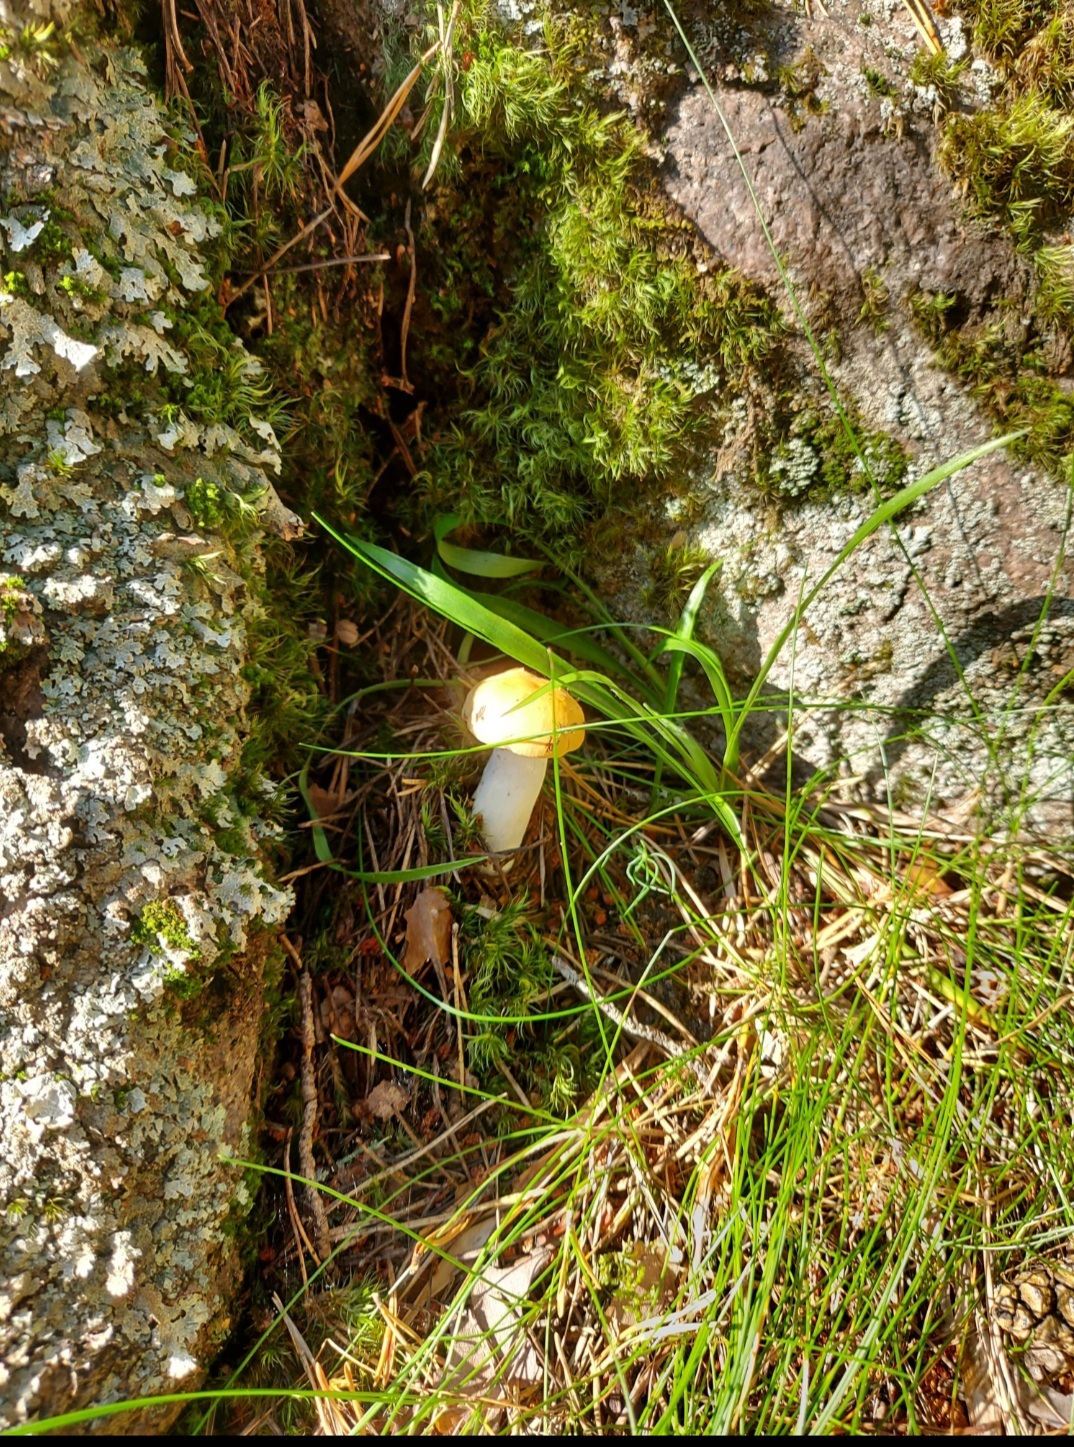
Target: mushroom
503	708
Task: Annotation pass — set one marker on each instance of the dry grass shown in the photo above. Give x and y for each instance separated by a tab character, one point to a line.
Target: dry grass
823	1104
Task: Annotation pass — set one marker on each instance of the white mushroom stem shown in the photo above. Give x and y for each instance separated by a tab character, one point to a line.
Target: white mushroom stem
506	795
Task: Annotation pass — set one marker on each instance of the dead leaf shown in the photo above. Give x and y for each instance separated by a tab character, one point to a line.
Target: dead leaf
464	1247
337	1013
646	1287
490	1354
323	802
925	879
428	930
384	1101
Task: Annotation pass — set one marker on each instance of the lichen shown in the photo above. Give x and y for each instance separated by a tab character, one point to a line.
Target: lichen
125	631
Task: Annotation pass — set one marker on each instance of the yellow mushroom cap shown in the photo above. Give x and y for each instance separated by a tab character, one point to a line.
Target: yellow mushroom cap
497	710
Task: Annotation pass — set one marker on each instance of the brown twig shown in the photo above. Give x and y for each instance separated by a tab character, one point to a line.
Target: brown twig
402	382
308	40
309	1121
176	69
292	1210
316	265
648	1033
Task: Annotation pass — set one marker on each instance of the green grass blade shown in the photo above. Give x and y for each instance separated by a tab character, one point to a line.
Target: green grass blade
684	632
450	602
571	640
475	560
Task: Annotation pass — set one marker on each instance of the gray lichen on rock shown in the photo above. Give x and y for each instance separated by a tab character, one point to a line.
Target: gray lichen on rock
124	622
865	220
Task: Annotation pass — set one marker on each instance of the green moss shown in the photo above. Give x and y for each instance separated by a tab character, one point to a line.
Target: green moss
224	383
35	44
875	300
223	509
672	573
1003	28
1055	285
15	283
817	459
939	74
58	464
932	311
12	596
52	242
288	709
161	922
799	84
206	502
602	343
510	972
182	984
877	81
1015	162
74	286
1004	360
14	601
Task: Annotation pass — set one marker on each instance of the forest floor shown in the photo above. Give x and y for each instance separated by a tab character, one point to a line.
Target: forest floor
657	1130
728	1104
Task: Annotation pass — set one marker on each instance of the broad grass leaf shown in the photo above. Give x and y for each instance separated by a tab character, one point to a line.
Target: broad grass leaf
477	561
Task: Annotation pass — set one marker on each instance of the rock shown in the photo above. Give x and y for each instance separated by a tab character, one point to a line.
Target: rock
855	201
132	944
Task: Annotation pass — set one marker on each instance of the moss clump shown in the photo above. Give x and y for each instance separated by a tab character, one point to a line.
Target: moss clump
818	460
510	973
599	342
161	922
799	84
1055	285
52	243
1033	39
75	287
672	573
12	599
19	628
1015	163
878	83
206	502
35	44
225	384
161	926
875	300
1005	359
939	74
932	311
